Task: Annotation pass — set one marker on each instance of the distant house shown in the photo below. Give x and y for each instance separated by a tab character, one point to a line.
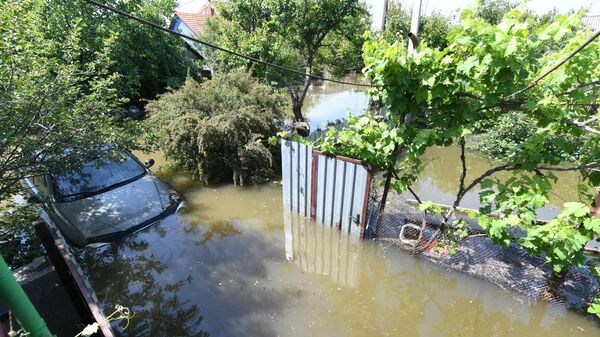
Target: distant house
592	22
192	24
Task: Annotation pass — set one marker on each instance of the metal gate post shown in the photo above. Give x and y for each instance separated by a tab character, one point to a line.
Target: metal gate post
17	301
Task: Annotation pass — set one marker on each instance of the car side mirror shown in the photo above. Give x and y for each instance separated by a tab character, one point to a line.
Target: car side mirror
149	163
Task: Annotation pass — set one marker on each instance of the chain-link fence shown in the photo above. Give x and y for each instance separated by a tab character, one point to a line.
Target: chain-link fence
510	268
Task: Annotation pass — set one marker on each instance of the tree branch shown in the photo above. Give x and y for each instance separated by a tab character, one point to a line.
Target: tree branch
583	85
461	186
414	195
584	126
572	168
485	175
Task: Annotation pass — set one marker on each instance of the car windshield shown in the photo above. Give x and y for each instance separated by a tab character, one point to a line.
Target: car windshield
95	176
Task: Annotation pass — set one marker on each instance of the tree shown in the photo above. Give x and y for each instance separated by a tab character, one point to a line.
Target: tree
439	97
55	110
433	28
307	35
501	136
148	60
218	129
498	137
493	11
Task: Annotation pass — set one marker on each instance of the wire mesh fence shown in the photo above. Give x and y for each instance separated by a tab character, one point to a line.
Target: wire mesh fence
510	268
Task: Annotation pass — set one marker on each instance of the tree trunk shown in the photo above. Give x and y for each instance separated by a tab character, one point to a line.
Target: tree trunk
300	126
386	191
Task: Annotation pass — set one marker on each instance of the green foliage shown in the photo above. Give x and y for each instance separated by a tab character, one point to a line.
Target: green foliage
452	235
147	60
310	36
430	207
19	242
434	28
594	265
493	11
503	136
560	241
218	130
437	97
367	137
51	100
594	308
448	93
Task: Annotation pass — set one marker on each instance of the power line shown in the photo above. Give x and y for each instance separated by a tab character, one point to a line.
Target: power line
299	73
213	46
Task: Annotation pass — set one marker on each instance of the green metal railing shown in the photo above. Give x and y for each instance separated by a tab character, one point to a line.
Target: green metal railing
17	301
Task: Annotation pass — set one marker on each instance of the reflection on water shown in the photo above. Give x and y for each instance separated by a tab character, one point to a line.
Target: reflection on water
234	265
322	250
439	180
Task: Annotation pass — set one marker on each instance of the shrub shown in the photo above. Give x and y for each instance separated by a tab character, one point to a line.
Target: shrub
218	129
501	137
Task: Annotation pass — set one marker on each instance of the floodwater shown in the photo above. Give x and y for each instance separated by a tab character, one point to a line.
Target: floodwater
234	264
439	180
332	101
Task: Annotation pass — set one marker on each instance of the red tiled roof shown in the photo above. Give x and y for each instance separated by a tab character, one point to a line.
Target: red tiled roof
197	21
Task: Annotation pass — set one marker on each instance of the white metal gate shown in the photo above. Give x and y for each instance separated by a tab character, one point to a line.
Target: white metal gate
331	190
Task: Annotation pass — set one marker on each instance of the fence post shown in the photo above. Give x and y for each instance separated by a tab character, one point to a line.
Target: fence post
17	301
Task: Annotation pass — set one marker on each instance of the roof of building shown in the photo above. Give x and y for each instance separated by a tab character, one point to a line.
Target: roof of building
592	21
197	21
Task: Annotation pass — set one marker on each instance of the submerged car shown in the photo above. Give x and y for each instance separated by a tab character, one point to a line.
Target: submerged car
105	199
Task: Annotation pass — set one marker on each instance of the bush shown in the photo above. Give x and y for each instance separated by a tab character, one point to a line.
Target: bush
501	137
218	129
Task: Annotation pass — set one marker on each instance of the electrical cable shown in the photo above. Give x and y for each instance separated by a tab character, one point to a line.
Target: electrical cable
316	77
213	46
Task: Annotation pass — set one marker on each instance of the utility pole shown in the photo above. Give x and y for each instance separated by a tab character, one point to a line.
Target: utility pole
384	18
413	41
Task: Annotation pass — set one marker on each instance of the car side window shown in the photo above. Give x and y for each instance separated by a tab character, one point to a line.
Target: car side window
40	183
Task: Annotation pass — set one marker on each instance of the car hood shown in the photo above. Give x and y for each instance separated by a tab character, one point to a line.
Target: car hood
119	209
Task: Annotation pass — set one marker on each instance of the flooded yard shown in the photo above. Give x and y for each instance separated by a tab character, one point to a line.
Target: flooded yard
233	264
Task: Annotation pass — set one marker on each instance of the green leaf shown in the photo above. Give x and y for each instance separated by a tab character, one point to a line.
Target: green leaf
469	63
576	208
511	47
595	178
426	205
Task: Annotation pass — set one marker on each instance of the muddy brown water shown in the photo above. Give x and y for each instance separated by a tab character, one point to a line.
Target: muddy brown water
233	264
329	102
439	180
